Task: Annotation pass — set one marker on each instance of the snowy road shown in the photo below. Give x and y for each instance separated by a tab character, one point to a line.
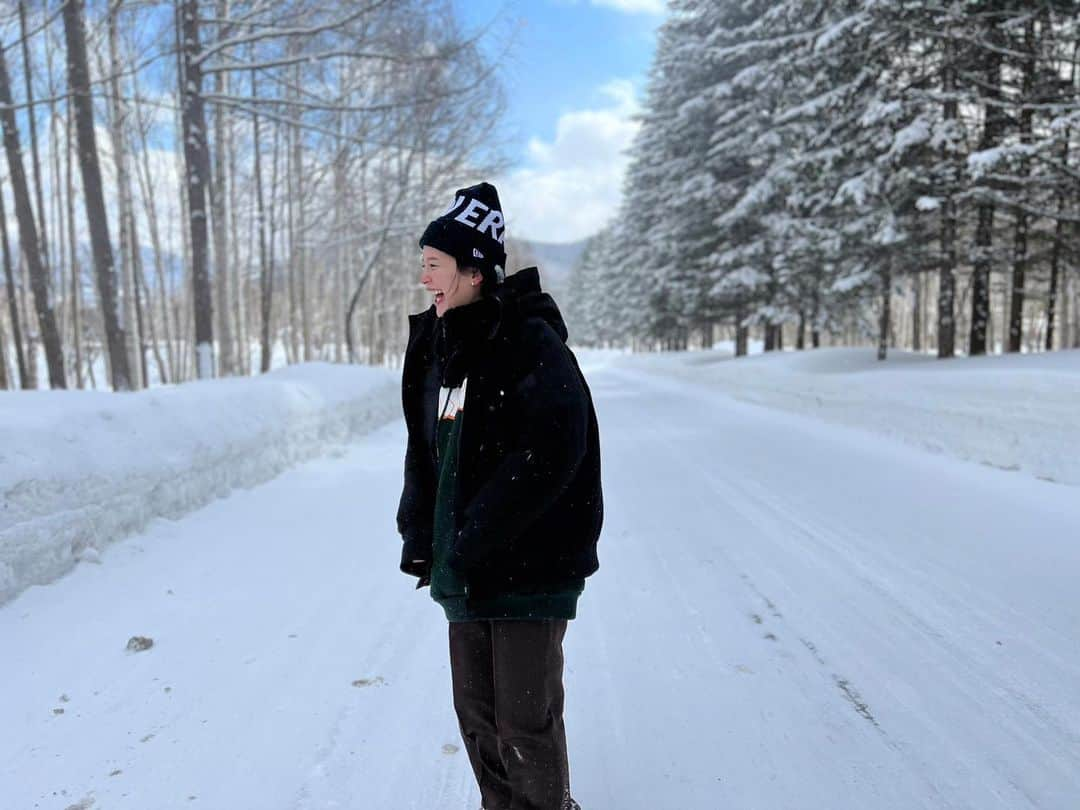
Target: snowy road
788	615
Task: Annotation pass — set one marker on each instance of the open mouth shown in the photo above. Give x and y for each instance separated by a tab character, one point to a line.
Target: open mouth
439	297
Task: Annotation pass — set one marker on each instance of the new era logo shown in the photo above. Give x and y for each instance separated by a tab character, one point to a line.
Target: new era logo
477	254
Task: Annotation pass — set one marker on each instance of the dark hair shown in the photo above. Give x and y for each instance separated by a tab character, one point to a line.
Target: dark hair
484	286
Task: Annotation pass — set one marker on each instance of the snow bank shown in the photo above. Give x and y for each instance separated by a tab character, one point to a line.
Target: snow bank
79	469
1016	412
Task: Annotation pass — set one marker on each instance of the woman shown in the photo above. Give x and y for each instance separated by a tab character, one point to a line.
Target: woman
502	507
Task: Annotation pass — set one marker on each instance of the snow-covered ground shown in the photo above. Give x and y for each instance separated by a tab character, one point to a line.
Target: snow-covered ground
79	469
1013	412
790	613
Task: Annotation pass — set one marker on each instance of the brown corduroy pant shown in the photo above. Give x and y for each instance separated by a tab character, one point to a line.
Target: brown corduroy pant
508	694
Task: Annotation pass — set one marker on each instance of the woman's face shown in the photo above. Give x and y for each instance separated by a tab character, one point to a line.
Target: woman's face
439	275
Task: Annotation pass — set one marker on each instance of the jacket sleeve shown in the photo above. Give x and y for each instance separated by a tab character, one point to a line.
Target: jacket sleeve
546	444
416	508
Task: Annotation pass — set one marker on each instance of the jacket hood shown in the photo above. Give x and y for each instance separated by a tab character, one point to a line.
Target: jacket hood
520	296
456	336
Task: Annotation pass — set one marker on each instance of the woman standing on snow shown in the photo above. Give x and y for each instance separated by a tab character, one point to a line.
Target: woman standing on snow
502	507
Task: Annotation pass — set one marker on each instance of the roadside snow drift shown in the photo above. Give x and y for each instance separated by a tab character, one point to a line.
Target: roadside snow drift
1012	412
79	469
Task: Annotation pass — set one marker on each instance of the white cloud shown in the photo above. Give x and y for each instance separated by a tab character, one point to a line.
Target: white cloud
633	6
570	186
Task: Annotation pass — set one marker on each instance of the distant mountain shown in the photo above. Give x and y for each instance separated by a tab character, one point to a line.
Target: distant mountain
554	259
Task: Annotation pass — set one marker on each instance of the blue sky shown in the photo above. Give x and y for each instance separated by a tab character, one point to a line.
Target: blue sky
574	73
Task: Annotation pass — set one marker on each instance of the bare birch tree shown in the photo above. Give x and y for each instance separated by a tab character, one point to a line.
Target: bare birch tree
197	175
12	299
93	192
29	240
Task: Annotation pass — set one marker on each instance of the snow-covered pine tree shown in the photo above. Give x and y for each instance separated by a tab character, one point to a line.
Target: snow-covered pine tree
1058	156
935	43
1024	173
752	47
798	161
828	76
594	311
642	232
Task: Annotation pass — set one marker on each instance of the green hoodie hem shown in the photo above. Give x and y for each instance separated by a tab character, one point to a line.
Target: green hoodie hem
561	605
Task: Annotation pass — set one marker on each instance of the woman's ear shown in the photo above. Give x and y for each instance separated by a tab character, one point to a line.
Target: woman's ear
477	278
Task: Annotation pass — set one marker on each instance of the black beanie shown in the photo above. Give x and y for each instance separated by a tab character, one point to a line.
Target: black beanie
472	231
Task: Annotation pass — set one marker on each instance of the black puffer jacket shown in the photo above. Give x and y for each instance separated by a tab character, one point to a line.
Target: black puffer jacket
529	507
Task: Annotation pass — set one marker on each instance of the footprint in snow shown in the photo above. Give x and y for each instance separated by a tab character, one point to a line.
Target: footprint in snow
450	748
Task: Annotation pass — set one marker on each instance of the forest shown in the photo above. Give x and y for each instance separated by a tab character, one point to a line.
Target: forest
845	173
201	188
206	188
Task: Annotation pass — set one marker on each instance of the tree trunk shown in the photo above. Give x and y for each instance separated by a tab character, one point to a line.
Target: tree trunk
237	277
980	279
886	311
742	332
272	228
294	174
292	342
4	385
68	306
770	338
1019	268
340	317
197	173
1020	239
128	309
916	314
984	231
29	321
946	317
79	81
145	303
168	371
28	234
12	299
1076	308
73	257
226	363
136	273
31	116
183	316
266	279
1052	293
301	229
1059	237
165	370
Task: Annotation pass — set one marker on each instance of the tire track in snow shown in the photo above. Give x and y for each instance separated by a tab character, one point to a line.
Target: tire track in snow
938	628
